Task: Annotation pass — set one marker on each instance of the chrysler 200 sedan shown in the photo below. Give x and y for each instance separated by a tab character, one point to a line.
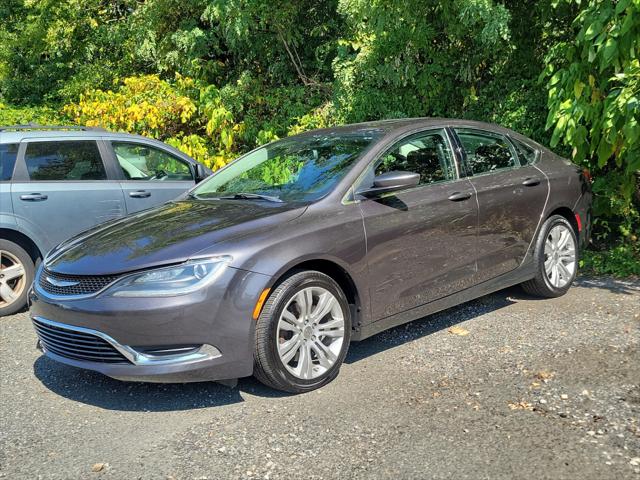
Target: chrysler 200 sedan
278	261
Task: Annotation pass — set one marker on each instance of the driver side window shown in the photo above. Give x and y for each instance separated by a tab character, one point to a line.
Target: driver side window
143	162
425	153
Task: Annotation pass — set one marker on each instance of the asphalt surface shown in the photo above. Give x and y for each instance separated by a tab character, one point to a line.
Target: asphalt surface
507	386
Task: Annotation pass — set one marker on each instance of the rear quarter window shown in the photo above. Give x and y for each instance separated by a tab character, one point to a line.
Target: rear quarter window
8	155
526	154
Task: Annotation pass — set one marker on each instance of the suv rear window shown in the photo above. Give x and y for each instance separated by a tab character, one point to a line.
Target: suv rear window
64	160
8	154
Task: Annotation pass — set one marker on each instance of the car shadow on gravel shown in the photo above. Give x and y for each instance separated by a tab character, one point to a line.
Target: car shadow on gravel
433	323
95	389
628	287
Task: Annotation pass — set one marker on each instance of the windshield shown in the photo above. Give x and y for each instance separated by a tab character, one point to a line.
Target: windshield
294	169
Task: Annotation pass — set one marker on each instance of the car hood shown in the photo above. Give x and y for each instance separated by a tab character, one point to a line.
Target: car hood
170	233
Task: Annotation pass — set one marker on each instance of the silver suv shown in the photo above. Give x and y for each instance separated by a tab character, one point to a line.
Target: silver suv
58	181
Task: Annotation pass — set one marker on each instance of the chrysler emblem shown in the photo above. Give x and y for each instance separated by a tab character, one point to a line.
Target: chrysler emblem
60	283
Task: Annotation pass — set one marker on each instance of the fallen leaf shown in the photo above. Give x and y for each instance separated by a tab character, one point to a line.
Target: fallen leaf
521	405
544	375
97	467
457	330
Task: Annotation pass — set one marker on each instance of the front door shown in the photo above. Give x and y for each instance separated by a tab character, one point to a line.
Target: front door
64	189
152	176
420	241
511	197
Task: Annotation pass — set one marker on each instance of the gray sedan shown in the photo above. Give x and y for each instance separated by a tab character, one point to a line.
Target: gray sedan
277	262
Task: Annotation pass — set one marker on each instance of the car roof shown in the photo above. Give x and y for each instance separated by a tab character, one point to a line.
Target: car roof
399	124
391	128
20	133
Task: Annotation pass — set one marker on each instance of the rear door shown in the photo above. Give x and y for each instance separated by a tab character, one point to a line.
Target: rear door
61	187
420	241
150	175
511	198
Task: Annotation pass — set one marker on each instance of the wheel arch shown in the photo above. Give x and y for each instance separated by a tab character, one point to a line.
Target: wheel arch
568	214
23	240
334	270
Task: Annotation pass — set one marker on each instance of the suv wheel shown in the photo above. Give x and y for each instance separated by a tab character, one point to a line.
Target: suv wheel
16	275
302	334
556	259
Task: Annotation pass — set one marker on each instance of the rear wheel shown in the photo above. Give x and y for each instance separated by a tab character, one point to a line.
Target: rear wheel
303	333
556	259
16	275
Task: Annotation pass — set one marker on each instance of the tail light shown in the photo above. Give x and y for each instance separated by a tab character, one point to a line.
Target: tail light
586	174
579	222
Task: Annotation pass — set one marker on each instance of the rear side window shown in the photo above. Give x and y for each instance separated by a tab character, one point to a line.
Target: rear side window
486	152
8	154
526	154
64	160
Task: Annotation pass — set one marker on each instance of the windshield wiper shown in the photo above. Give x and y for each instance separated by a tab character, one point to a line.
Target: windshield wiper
251	196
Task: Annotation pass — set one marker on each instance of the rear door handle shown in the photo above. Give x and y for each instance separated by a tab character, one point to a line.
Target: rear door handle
33	197
531	182
459	196
140	194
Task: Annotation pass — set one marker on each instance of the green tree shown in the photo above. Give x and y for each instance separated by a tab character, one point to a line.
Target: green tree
593	80
416	57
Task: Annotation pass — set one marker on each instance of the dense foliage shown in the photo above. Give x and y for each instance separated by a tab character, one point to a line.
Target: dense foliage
218	77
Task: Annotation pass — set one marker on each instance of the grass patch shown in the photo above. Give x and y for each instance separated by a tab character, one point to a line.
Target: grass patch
622	261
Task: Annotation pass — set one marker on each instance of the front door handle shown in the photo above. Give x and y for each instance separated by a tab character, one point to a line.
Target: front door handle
33	197
140	194
459	196
531	182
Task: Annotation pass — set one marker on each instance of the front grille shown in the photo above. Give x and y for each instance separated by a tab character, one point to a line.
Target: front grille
73	284
75	344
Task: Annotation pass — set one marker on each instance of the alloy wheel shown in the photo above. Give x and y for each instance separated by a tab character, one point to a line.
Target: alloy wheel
310	333
12	278
559	256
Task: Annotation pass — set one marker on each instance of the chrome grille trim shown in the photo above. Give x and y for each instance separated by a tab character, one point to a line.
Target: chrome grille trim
76	343
62	285
82	343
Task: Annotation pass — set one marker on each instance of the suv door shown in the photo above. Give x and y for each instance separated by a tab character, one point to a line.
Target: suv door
150	175
61	188
511	199
420	241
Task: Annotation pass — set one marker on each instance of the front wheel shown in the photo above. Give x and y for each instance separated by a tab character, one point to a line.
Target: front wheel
555	258
302	334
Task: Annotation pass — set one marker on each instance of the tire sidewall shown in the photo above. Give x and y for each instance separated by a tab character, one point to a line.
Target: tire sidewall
549	224
29	269
313	279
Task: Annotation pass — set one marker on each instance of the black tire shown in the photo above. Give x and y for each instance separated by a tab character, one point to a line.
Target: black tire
23	257
268	367
540	285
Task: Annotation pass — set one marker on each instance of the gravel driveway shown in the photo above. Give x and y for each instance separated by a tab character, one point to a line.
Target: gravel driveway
507	386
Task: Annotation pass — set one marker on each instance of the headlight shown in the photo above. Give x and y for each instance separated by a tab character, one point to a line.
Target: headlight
170	281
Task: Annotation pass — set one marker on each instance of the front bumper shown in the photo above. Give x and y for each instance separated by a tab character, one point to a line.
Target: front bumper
207	335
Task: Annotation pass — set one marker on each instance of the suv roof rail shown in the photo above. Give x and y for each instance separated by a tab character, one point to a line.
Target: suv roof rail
35	126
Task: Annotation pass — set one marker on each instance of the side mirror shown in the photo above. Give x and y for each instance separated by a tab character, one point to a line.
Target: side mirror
390	182
202	172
